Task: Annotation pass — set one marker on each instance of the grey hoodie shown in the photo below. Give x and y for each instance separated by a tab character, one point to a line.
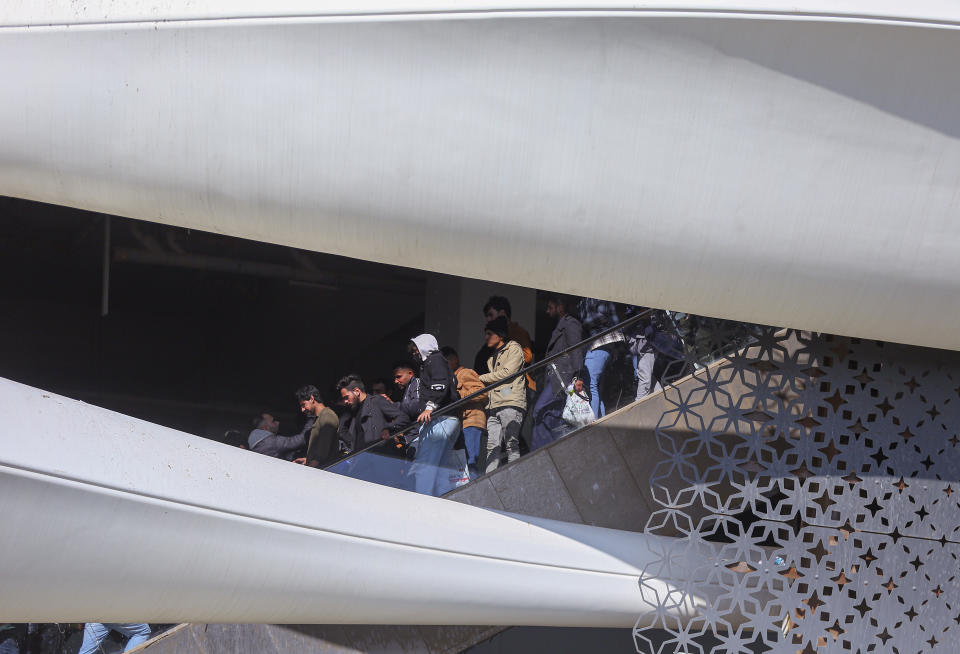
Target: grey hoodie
281	447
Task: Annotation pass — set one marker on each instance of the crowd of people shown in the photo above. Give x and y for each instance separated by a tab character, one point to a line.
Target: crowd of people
424	448
401	432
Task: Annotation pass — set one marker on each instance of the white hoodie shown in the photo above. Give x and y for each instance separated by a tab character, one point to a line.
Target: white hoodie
427	344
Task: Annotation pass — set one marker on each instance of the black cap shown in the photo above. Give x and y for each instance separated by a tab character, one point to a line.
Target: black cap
499	326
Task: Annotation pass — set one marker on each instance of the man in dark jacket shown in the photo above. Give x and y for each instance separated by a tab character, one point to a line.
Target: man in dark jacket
548	422
653	347
434	471
368	422
265	440
406	381
369	415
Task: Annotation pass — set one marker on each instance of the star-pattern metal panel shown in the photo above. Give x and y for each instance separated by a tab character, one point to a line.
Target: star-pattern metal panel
814	483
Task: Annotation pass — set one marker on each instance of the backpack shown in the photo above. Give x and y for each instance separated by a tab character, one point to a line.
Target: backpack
452	394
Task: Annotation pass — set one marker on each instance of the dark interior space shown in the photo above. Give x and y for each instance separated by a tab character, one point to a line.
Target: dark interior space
201	331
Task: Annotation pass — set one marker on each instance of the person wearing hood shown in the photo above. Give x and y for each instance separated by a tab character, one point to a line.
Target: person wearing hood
507	403
265	440
431	469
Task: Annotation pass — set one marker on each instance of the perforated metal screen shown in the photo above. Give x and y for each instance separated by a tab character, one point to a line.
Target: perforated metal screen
813	481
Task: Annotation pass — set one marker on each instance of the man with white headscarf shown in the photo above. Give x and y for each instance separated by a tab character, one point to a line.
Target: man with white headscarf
431	470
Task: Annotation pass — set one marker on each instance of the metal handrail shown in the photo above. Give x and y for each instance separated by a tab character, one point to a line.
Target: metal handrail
462	402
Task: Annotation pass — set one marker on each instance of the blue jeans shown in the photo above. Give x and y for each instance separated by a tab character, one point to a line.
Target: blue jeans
595	363
436	440
472	439
95	633
548	424
8	645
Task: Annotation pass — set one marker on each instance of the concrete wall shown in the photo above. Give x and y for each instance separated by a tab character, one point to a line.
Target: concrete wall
454	310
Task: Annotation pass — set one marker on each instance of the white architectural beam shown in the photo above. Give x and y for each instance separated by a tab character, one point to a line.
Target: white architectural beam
794	165
113	519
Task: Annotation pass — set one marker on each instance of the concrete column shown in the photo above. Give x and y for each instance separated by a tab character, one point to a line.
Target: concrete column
454	310
442	310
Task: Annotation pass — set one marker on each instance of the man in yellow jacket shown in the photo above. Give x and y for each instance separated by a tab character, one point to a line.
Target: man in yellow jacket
507	403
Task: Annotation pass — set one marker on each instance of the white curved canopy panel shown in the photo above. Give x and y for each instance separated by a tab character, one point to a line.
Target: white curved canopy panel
58	12
785	164
113	519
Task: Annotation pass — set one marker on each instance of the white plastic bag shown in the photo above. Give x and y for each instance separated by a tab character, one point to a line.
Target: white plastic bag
577	411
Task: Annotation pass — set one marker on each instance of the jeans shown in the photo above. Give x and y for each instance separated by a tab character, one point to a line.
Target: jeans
472	439
95	633
9	645
595	363
503	427
548	424
437	438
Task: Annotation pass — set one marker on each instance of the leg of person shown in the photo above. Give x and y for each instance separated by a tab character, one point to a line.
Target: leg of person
542	433
605	368
429	452
452	463
94	633
511	418
526	427
138	633
9	645
645	377
591	380
491	450
553	417
472	440
436	438
595	362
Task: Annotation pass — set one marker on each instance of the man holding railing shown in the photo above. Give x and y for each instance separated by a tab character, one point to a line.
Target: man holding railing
369	415
322	423
507	403
438	388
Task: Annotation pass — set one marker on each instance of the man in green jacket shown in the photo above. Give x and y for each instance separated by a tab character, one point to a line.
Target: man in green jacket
323	443
506	403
